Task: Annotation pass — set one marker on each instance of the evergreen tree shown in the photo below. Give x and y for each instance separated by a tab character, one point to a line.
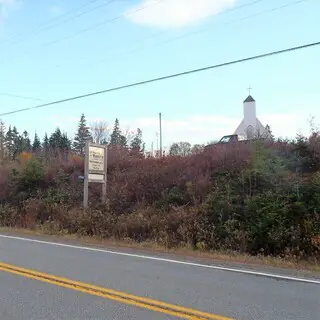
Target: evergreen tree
123	141
65	142
16	142
9	141
55	139
269	134
116	136
137	143
26	142
2	139
59	140
82	135
36	145
15	134
45	143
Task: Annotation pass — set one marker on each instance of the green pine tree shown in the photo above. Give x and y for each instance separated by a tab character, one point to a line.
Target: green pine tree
26	142
9	143
115	138
55	139
58	141
65	143
82	135
17	143
137	143
123	141
2	139
45	143
13	142
269	134
36	145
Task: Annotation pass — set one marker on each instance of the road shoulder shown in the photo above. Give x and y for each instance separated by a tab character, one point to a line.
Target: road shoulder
233	261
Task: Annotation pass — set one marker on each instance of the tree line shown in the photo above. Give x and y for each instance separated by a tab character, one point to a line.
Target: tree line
13	143
185	148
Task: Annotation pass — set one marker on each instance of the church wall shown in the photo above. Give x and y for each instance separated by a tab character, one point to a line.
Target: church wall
249	114
250	126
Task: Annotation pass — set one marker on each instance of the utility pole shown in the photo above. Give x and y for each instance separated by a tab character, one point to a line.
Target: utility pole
160	130
157	140
86	176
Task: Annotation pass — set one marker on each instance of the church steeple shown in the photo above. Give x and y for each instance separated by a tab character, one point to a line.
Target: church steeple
250	126
249	99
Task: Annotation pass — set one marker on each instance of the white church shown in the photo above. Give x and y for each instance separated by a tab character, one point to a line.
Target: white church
250	127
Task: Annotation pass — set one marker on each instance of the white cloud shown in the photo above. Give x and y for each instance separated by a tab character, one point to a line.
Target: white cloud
175	13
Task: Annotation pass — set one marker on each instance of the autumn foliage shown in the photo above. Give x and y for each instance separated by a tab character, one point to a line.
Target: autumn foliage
259	198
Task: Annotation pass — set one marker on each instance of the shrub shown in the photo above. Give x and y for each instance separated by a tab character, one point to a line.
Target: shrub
32	176
8	216
259	198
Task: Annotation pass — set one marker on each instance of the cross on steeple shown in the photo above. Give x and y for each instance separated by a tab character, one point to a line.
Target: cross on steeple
249	89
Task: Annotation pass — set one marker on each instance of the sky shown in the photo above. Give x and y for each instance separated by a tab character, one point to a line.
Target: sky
56	49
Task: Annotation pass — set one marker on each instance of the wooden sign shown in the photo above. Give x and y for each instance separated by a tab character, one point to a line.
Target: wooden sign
95	169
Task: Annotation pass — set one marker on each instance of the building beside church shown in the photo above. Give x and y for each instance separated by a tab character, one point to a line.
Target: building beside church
250	127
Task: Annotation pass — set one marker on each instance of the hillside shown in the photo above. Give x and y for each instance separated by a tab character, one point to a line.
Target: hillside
262	198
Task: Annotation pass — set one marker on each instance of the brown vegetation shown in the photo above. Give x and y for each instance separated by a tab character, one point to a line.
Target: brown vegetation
259	198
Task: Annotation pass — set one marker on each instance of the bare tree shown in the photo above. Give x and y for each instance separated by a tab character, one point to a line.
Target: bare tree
2	139
314	127
129	135
197	148
100	132
180	149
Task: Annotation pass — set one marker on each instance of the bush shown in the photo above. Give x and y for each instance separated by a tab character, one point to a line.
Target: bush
259	198
8	216
31	177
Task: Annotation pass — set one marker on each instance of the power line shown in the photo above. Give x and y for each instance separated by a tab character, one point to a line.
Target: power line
175	75
225	23
86	4
141	39
99	24
123	53
89	28
19	96
70	19
53	19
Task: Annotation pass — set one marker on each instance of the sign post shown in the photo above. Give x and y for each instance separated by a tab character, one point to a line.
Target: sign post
95	169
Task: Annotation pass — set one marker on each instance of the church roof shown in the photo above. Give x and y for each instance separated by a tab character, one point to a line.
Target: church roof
249	99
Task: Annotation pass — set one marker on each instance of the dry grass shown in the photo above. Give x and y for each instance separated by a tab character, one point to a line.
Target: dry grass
225	258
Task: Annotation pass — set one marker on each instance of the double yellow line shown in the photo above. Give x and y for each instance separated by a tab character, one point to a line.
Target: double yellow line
122	297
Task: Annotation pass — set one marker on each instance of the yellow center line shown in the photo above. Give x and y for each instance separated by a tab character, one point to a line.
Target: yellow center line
126	298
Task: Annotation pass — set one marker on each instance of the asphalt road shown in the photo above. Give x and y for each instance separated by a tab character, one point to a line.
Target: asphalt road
221	292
